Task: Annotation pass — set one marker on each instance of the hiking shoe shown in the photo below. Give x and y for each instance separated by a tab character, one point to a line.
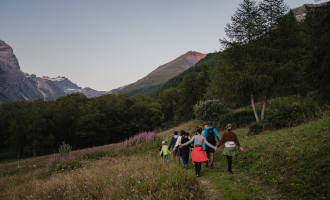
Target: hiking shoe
186	167
198	175
230	172
207	166
211	167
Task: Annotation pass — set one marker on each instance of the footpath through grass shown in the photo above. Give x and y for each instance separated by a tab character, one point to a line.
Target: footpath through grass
288	164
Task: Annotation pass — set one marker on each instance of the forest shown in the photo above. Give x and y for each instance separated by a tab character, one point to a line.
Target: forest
267	54
40	127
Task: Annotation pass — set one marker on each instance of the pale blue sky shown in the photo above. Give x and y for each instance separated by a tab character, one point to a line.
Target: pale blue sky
105	44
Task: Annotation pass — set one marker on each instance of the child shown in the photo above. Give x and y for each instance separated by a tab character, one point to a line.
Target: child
160	148
165	152
185	150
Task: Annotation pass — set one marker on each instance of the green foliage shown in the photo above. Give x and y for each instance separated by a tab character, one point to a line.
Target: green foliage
210	109
41	126
65	149
169	100
287	114
59	166
255	128
238	119
317	39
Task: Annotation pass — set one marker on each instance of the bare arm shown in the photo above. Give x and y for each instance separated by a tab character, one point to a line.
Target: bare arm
189	142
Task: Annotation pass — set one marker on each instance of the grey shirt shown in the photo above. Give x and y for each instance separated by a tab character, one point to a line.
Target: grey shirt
198	140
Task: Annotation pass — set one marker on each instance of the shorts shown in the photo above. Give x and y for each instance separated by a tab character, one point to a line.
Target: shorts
209	149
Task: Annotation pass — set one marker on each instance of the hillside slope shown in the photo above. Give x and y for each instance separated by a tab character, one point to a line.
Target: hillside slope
210	60
160	75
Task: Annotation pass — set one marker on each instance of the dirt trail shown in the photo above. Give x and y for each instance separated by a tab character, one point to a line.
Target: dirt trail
210	191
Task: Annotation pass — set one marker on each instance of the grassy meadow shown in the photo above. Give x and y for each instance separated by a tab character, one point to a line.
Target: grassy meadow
291	163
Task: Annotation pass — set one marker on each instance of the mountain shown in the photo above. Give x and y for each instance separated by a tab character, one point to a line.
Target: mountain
16	85
210	60
159	76
69	87
300	12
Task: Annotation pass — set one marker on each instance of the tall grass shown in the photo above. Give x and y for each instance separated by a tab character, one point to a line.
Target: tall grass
127	170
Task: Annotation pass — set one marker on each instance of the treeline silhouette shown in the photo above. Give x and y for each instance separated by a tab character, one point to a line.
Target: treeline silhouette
41	126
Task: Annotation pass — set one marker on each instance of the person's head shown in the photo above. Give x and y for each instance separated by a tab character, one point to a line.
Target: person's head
199	131
186	135
165	142
205	126
229	127
182	132
209	123
175	132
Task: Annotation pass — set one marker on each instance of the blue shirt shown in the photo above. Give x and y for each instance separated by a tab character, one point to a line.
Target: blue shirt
205	135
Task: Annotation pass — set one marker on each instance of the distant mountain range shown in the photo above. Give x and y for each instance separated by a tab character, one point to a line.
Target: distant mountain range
17	85
161	75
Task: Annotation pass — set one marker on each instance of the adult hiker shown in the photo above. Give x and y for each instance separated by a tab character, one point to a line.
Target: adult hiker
230	139
204	146
185	150
210	133
197	155
177	144
172	144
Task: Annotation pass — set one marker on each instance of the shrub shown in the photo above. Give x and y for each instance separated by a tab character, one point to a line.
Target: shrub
65	149
237	119
210	109
286	114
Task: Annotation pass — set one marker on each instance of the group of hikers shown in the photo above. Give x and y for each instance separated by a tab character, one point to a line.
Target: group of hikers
202	146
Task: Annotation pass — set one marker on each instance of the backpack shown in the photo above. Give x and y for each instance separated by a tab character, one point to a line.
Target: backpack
210	136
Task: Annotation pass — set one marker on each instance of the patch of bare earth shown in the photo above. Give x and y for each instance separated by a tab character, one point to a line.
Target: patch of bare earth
210	191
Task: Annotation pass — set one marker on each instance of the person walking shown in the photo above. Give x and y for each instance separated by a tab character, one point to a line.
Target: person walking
165	152
160	149
177	144
185	150
197	155
230	139
210	133
172	144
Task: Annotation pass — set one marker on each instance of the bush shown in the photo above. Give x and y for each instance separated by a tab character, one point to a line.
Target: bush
65	149
286	114
237	119
210	109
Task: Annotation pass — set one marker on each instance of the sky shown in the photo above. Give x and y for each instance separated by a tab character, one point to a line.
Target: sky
106	44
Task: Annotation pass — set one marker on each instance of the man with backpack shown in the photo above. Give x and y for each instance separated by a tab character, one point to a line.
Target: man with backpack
172	143
210	133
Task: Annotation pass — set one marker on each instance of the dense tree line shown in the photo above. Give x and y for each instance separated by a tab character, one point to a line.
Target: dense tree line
267	54
41	126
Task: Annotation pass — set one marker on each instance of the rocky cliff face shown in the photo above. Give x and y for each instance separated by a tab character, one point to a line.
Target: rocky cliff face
300	12
68	87
160	75
15	85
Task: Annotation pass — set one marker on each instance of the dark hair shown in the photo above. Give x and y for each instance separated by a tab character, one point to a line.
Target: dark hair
186	134
175	132
199	130
182	132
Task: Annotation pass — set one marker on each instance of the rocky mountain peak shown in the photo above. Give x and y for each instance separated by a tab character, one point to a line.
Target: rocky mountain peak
5	50
193	55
